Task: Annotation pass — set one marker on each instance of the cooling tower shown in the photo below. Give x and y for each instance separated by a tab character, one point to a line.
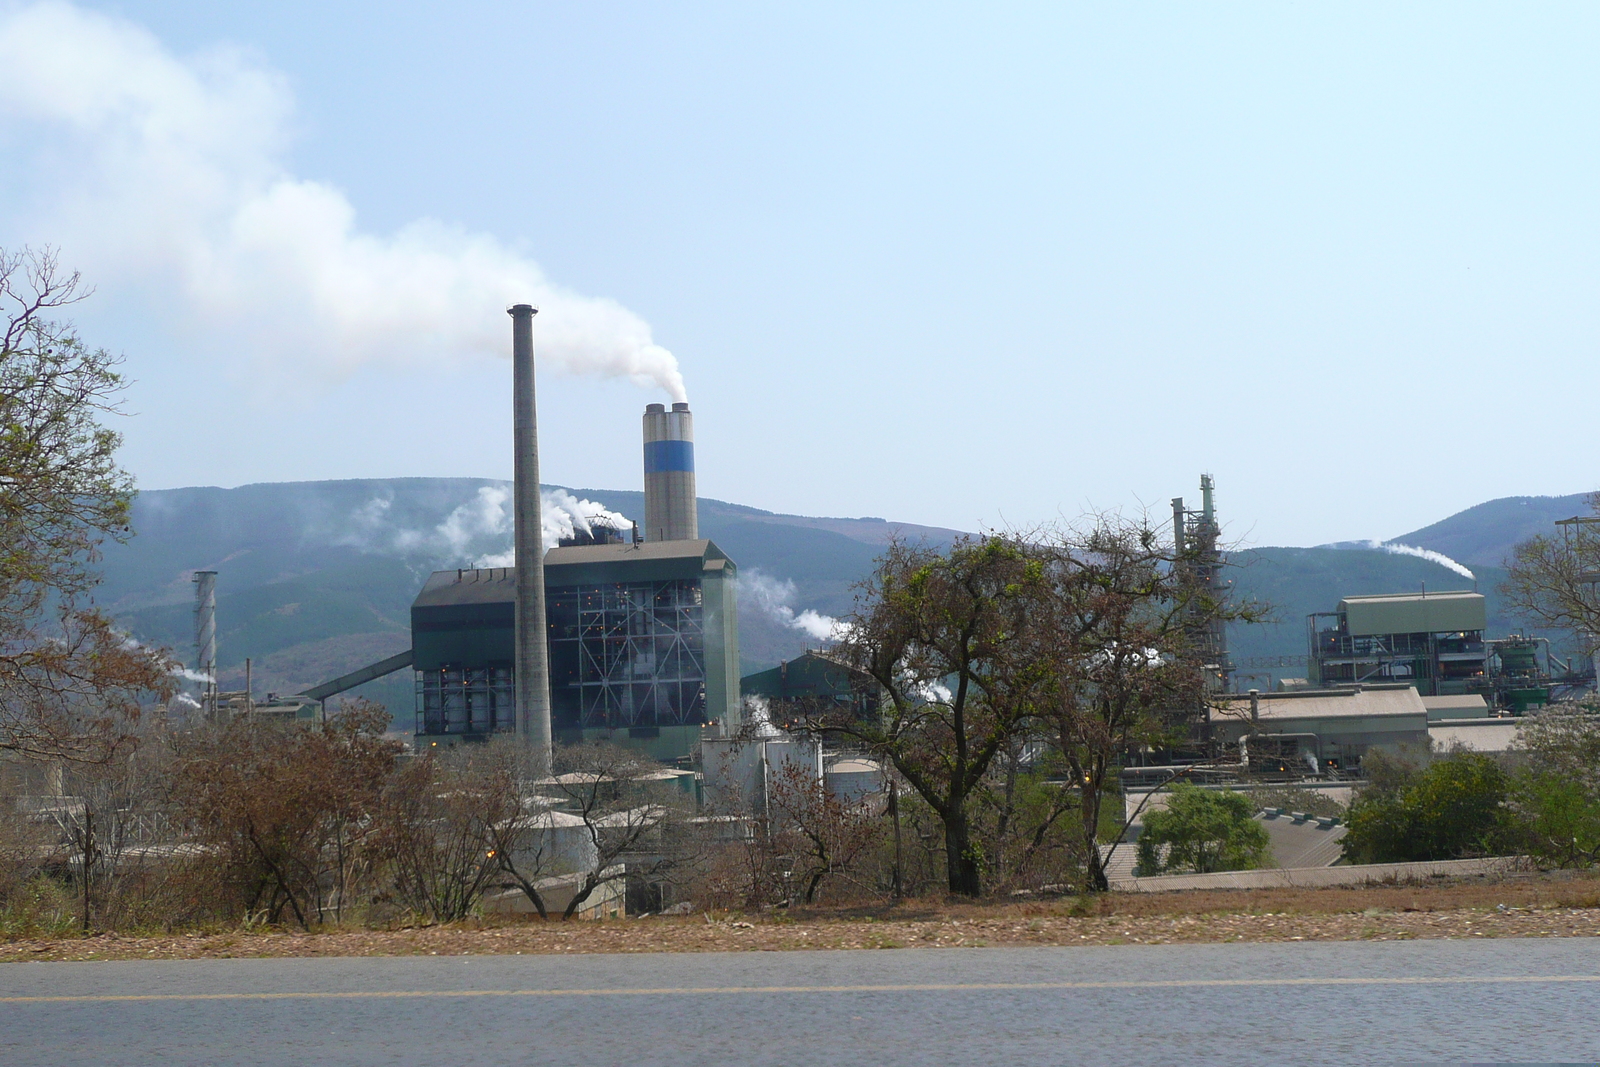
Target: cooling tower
669	507
532	653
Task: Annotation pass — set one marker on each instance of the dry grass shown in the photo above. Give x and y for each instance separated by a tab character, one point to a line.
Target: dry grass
1532	905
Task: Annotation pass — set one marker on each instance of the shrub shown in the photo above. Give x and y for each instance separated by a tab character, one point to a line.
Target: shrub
1453	809
1203	830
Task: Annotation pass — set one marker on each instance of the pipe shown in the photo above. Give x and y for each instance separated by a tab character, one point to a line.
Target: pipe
670	512
1255	705
532	653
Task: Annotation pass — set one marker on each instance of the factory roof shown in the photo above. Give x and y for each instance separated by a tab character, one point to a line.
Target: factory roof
1412	613
491	585
1355	702
1457	706
572	565
1478	735
577	555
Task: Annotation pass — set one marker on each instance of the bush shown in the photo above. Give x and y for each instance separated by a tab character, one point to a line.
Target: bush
1557	795
1204	830
1453	809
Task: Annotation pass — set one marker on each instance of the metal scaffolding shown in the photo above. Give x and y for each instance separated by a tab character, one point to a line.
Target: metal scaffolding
628	654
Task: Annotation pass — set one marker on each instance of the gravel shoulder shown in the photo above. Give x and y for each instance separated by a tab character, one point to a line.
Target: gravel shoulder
1511	906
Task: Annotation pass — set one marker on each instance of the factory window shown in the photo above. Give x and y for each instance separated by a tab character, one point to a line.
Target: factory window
457	700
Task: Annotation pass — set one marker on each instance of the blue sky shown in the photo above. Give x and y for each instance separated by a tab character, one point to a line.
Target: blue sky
923	262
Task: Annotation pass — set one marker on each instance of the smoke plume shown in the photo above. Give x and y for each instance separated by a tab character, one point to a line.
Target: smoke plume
170	172
775	599
477	531
1424	553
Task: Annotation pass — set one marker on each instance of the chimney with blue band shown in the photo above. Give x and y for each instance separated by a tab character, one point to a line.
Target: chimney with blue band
670	513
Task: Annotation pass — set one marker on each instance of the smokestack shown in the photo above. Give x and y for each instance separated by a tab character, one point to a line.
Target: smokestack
532	654
205	623
670	513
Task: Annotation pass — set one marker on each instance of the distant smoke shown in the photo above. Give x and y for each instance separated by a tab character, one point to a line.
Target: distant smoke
478	531
191	676
169	171
1424	553
775	599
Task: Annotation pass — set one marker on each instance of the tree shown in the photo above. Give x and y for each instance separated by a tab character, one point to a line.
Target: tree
1553	578
1202	830
289	811
1556	796
444	829
1453	809
814	835
631	825
69	683
943	634
1123	668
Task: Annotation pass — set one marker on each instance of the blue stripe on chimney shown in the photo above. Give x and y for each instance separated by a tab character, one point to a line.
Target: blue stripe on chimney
668	456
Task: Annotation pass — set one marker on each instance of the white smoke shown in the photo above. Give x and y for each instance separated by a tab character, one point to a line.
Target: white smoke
478	530
775	599
171	171
191	676
1424	553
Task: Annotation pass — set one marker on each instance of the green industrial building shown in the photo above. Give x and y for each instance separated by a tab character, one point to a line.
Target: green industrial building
815	682
1433	641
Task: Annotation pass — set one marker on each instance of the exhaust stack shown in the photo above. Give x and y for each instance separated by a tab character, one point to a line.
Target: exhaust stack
532	653
205	624
670	512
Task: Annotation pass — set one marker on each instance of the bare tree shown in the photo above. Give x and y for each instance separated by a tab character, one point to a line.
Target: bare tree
288	811
1554	578
815	837
632	825
442	820
70	685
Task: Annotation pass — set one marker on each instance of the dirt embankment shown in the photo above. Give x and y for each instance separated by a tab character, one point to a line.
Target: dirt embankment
1510	906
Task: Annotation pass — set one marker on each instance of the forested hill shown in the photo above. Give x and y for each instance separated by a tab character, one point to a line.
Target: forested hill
317	578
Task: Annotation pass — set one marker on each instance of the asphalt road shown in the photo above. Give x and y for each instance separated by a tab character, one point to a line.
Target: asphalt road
1358	1003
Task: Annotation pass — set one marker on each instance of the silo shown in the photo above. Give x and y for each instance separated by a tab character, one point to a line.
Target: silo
669	505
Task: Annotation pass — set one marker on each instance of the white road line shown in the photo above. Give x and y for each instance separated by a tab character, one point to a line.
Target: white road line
916	987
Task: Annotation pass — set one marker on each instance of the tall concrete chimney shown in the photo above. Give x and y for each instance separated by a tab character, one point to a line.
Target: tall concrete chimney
670	513
205	623
533	654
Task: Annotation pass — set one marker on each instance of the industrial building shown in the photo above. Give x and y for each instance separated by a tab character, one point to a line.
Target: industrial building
815	682
641	636
1433	641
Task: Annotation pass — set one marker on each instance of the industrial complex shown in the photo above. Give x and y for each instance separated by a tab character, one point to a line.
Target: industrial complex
631	636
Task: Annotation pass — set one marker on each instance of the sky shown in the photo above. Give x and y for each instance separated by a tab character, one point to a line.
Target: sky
941	265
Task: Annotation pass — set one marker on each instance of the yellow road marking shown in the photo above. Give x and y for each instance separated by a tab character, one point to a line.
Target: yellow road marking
918	987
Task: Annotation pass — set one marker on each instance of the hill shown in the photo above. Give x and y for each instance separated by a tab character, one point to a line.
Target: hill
1484	535
316	578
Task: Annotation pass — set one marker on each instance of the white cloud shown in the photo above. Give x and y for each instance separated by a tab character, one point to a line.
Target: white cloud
168	171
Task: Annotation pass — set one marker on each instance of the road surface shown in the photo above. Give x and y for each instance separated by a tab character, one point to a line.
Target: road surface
1394	1002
